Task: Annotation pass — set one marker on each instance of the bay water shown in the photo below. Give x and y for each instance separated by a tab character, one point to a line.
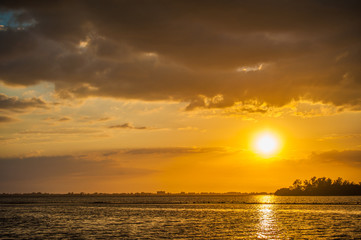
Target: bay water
179	217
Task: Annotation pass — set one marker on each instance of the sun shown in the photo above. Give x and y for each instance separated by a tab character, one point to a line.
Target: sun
266	144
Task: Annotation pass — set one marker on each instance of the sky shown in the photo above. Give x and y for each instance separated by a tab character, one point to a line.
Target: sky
140	96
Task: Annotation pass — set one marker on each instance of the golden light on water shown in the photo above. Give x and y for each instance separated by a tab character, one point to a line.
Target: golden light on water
266	143
267	226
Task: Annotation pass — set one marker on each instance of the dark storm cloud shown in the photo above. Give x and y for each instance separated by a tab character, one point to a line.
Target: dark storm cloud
16	104
188	50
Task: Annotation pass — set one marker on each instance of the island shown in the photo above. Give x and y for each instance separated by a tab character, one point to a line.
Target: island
321	187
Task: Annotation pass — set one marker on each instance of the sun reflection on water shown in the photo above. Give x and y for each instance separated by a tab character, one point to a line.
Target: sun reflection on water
267	226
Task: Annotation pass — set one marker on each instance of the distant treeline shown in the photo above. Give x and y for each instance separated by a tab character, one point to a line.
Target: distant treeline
321	187
159	193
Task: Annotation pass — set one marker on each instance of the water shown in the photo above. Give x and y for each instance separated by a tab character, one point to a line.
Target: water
179	217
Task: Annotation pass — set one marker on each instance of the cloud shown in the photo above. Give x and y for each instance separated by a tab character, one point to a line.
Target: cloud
339	136
250	69
273	52
248	107
6	119
50	167
16	104
189	128
128	126
178	150
311	109
104	119
6	139
202	101
119	153
61	131
252	109
90	171
348	157
64	119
